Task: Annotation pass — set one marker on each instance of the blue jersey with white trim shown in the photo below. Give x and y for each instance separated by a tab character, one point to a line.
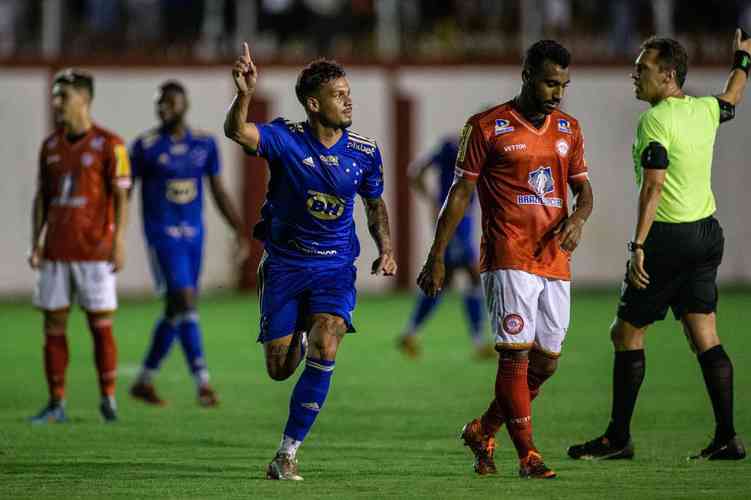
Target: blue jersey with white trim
307	217
171	173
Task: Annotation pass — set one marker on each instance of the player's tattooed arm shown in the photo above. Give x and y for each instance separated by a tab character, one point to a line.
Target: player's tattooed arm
433	272
569	230
236	126
378	224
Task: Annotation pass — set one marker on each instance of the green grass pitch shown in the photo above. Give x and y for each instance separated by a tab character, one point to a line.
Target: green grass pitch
389	429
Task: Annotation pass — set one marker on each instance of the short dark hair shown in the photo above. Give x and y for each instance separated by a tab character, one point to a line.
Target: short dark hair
173	86
316	74
670	56
80	80
546	50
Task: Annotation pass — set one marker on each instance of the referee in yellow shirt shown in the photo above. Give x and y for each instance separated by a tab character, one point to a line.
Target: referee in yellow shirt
677	245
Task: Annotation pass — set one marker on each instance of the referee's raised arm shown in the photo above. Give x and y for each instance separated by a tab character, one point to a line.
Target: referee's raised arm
736	84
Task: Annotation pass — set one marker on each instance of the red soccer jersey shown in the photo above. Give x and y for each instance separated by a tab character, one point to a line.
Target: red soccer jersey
522	176
77	182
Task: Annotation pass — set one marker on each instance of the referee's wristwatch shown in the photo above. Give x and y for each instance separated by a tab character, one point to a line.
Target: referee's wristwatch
633	246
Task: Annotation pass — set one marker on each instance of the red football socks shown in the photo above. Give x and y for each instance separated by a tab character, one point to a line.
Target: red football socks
105	353
493	418
55	361
513	395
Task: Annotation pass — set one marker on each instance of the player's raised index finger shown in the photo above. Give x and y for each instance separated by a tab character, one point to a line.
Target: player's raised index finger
246	51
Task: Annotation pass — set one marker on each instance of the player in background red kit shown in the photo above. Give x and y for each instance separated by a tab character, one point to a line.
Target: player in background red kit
522	156
82	202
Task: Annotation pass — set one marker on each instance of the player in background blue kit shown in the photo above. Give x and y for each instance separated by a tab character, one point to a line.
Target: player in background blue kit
307	276
461	254
171	162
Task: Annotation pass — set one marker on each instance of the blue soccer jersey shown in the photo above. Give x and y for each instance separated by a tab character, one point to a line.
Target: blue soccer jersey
171	173
444	159
307	218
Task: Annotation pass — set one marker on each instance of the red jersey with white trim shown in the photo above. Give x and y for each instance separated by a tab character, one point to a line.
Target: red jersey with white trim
522	176
78	181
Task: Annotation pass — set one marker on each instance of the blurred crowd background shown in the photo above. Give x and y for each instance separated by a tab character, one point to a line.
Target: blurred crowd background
597	31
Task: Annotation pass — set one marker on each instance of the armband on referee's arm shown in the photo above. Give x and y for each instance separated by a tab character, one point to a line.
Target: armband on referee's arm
655	156
742	61
727	110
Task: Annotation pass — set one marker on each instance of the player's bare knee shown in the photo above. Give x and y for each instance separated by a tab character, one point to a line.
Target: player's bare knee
277	370
513	353
324	346
275	353
626	337
55	322
542	364
180	302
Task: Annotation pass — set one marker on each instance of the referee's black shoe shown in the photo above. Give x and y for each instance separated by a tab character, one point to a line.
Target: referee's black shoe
732	449
601	448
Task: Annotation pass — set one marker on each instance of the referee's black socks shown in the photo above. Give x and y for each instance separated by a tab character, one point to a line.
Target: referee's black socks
628	374
718	376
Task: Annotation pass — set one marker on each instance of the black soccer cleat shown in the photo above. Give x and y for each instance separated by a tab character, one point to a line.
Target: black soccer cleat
601	448
732	449
108	409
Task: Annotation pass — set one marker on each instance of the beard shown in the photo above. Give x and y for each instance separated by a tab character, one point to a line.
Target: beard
339	122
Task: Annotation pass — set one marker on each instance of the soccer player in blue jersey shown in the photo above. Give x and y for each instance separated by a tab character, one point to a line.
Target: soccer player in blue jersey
307	276
171	162
461	254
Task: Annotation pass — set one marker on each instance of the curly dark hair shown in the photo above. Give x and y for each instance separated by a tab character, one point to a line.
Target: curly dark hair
671	56
172	86
316	74
80	80
545	50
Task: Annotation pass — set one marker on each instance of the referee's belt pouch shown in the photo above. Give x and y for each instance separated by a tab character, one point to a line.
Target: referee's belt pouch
261	230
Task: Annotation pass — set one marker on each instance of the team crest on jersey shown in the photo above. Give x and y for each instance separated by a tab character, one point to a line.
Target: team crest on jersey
542	183
564	126
198	156
324	206
562	147
513	324
97	143
181	191
503	127
163	159
87	159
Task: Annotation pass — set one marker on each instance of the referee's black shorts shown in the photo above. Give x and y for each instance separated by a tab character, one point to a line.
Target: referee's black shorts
682	261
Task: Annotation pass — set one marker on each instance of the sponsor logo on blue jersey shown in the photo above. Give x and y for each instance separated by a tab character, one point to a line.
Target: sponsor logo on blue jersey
181	191
325	206
363	148
503	127
542	184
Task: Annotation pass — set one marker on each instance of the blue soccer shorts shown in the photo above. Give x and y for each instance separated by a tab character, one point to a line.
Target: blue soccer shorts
176	265
289	295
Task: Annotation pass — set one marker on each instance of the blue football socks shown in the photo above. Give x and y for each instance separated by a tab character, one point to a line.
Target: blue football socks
190	338
307	400
161	341
425	306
